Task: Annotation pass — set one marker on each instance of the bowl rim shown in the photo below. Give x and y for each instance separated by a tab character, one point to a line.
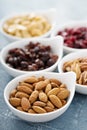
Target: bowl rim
41	40
70	24
67	57
49	113
51	11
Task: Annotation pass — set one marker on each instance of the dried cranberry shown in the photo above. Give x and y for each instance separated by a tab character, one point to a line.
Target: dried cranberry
74	37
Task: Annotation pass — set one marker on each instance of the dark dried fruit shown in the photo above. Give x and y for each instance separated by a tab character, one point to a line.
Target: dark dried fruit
33	57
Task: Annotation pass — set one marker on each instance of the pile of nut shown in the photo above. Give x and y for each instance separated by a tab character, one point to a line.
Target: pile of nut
27	26
79	66
39	95
32	57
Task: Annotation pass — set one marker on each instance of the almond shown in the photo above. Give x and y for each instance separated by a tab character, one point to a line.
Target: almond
63	94
33	96
40	85
20	108
48	88
62	86
26	84
54	85
24	89
39	110
48	109
55	81
39	103
31	79
15	101
25	104
53	91
56	101
43	97
49	104
31	111
21	95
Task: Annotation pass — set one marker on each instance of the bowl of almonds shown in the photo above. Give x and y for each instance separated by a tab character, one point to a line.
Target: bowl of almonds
76	62
40	97
28	25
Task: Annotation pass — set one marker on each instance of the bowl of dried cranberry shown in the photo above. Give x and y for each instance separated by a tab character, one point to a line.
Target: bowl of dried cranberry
30	56
74	35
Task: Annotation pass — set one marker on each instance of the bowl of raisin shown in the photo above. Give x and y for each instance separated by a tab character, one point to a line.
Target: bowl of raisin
28	56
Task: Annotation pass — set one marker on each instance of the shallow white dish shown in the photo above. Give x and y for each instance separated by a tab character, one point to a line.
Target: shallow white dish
74	24
49	14
81	54
56	46
63	77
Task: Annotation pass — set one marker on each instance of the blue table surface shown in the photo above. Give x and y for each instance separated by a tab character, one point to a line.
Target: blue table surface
76	115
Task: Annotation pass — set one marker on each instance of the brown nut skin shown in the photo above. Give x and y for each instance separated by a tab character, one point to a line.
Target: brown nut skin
21	95
25	104
26	84
39	103
49	104
31	79
43	97
53	91
56	101
48	109
64	94
24	89
20	108
48	88
15	101
40	85
33	96
31	111
55	81
39	110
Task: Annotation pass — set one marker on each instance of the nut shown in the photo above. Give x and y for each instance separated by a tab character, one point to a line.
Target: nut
25	104
56	101
40	85
21	95
53	91
63	94
15	101
24	89
39	110
39	103
43	97
33	96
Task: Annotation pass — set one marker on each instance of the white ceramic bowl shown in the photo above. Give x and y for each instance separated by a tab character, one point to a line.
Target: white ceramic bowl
63	77
50	15
74	24
81	54
56	46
